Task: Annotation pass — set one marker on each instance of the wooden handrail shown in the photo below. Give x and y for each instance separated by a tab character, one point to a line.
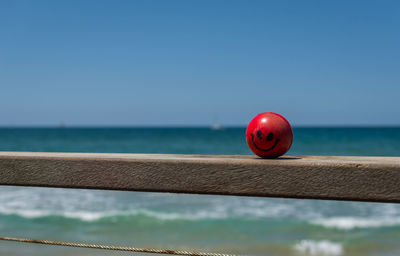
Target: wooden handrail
375	179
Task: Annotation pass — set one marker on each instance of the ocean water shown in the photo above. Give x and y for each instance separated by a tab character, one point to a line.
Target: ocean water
242	225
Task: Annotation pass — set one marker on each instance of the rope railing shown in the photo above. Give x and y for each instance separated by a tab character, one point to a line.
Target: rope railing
112	247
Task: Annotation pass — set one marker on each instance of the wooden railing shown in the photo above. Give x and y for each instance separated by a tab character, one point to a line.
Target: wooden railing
375	179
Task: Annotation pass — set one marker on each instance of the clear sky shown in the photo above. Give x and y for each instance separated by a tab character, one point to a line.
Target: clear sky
199	62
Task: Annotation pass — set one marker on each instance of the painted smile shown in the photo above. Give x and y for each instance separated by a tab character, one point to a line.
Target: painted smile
264	150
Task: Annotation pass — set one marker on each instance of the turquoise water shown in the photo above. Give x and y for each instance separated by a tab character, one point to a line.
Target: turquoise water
307	141
244	225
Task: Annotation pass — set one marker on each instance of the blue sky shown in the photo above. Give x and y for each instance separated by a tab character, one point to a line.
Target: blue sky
198	62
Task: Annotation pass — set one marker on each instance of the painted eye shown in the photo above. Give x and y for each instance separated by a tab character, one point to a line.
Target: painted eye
259	134
270	136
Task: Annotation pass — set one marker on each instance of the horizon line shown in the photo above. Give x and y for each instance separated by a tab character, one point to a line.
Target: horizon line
195	126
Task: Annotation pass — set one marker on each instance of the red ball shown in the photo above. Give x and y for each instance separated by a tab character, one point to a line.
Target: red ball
269	135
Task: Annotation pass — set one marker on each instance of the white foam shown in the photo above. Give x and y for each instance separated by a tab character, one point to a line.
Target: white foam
32	214
89	216
86	216
91	205
323	247
94	205
23	213
348	223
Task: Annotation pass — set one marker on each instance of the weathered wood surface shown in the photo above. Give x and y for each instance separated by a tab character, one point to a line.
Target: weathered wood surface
375	179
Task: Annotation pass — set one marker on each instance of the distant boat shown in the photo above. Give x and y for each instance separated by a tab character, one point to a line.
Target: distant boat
216	127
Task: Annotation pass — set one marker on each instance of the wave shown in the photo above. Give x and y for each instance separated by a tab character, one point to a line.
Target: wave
217	213
342	223
347	223
95	216
322	248
92	205
35	214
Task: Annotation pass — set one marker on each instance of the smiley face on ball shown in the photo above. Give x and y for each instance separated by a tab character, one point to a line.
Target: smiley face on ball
260	137
269	135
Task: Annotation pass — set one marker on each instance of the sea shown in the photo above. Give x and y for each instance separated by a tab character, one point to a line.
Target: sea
208	223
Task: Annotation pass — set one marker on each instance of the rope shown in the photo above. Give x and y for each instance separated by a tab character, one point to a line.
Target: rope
111	247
